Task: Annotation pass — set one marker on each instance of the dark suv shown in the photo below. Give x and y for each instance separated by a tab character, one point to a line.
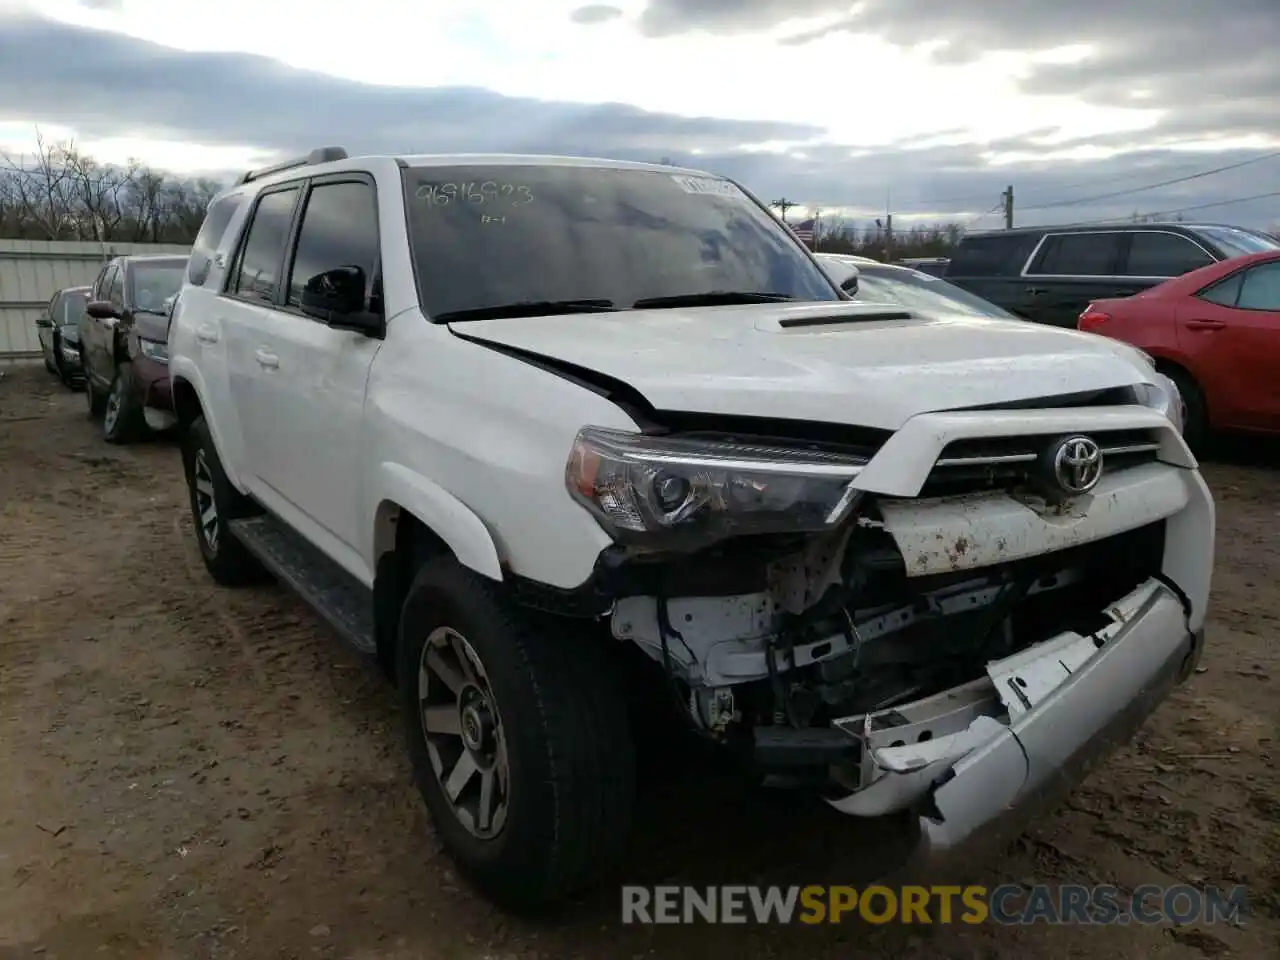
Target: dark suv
1050	274
123	341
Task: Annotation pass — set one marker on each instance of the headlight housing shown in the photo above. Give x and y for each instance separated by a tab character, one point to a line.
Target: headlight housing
154	350
1163	395
684	493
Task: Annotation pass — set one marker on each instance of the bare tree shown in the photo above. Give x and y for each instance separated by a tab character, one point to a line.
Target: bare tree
62	193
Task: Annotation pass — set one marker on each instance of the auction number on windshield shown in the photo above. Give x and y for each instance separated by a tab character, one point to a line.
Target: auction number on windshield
488	192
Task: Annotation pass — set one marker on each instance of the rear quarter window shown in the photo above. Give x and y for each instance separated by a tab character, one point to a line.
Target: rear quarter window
216	220
991	255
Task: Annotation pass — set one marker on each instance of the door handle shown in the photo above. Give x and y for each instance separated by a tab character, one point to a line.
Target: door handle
1205	324
268	361
207	333
1037	291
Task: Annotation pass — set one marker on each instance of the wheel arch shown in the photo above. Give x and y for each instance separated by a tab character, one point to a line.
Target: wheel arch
414	519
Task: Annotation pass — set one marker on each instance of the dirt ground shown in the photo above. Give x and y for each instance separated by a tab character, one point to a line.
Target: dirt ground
187	771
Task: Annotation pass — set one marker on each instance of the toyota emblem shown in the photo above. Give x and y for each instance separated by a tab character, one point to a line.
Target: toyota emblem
1077	465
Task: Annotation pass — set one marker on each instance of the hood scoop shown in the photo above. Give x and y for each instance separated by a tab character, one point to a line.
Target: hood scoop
844	319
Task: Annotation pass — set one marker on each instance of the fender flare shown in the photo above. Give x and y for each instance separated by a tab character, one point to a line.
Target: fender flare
444	514
185	370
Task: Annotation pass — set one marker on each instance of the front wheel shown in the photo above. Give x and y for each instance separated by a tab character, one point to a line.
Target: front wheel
519	738
122	418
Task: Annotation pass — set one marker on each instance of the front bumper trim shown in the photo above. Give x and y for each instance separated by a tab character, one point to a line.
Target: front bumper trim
993	793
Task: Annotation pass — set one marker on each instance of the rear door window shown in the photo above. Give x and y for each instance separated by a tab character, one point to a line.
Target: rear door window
1224	292
1260	289
1153	254
1078	255
257	273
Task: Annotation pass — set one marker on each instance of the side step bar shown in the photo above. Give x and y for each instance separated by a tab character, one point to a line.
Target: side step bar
337	596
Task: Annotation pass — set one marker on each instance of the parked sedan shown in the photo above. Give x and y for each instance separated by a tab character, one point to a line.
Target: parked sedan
124	336
905	287
58	331
1216	333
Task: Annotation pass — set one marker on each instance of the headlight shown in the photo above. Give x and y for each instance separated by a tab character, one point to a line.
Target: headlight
685	493
1163	395
154	350
70	350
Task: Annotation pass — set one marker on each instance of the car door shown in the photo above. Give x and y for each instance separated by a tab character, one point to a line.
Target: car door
96	336
1069	271
1230	334
316	383
247	313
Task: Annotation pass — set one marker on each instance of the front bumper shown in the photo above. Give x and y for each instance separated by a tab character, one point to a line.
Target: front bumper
1055	732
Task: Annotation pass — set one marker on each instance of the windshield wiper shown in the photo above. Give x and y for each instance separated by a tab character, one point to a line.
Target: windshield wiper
710	298
525	308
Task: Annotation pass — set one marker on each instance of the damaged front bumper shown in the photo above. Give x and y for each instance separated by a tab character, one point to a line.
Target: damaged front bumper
981	759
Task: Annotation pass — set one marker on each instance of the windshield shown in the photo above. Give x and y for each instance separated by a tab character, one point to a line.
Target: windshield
73	305
919	291
1238	242
486	236
154	283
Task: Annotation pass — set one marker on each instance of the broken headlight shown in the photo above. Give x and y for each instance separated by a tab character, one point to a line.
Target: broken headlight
684	492
1163	395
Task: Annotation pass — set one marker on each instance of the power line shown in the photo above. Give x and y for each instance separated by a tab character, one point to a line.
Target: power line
1154	186
1169	213
1092	183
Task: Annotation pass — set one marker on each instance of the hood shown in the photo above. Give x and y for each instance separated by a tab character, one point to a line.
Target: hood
832	362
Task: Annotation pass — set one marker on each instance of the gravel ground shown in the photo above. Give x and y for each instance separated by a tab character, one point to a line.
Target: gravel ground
187	771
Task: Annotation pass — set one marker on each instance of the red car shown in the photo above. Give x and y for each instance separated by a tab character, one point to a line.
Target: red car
1216	333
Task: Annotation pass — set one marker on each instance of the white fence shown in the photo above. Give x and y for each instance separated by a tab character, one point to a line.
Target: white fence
32	271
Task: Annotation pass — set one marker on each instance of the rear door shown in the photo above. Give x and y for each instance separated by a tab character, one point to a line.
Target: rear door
247	317
1070	270
1230	333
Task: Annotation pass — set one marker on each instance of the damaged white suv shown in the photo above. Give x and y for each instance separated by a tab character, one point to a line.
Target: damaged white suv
539	433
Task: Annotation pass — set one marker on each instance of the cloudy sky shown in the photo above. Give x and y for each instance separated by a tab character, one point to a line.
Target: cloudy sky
929	108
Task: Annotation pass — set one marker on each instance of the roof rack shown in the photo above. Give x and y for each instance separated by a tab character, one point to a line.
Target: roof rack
318	155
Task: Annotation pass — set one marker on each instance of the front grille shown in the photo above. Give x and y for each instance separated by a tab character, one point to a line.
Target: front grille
986	463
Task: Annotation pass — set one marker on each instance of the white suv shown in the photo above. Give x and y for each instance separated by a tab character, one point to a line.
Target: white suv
542	433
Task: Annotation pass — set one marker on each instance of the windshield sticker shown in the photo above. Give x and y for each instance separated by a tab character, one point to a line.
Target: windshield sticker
708	185
489	193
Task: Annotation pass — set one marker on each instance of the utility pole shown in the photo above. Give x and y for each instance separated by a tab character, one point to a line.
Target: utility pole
1007	196
888	238
783	206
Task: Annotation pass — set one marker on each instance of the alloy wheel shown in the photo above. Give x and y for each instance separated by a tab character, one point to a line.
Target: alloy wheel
463	732
206	505
114	403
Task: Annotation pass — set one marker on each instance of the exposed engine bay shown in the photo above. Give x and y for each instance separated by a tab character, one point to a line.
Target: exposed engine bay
810	654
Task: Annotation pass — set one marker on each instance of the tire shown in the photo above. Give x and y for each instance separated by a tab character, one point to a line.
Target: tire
122	418
1195	427
557	724
228	561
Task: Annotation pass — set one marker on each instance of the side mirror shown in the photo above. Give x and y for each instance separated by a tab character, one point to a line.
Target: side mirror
43	321
102	310
337	298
